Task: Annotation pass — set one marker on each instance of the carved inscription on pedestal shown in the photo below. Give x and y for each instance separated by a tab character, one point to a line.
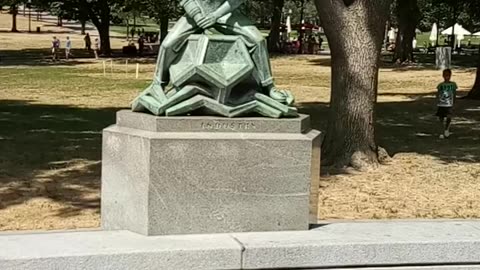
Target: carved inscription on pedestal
230	126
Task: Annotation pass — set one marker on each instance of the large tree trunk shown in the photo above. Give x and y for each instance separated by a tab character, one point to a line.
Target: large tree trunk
354	29
454	21
274	39
104	31
102	24
163	27
475	92
302	11
128	27
14	12
408	15
83	23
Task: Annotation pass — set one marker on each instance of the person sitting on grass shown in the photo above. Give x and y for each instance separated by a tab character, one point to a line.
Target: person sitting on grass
446	96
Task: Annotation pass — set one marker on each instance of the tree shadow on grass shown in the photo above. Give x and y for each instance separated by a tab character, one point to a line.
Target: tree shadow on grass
42	32
51	152
423	62
43	57
54	152
411	127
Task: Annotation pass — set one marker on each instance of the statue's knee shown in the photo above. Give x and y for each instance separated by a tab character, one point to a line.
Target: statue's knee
256	38
261	41
167	44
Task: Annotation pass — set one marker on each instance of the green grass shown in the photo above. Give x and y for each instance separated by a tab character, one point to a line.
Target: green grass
43	107
425	38
51	120
146	23
122	29
76	81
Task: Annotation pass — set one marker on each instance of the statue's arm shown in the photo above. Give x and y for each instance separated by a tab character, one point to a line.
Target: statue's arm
227	7
192	9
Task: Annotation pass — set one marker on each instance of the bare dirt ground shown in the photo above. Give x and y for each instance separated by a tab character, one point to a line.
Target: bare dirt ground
51	119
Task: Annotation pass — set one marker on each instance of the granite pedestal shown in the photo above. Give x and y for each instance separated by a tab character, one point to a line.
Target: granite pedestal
189	175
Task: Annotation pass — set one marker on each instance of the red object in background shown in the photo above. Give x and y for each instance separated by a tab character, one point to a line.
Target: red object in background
307	26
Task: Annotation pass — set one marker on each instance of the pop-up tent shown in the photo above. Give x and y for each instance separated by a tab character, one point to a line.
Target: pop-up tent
434	34
458	30
459	33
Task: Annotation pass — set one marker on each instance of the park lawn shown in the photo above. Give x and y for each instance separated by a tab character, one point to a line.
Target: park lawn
51	119
52	114
50	127
424	38
122	29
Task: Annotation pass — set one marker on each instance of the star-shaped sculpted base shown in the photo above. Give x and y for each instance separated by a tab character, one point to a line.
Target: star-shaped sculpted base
213	74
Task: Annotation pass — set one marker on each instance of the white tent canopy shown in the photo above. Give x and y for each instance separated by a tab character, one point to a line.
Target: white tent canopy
392	35
459	30
289	25
434	34
477	34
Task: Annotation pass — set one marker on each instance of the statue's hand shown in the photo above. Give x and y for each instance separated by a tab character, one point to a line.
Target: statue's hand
207	21
282	96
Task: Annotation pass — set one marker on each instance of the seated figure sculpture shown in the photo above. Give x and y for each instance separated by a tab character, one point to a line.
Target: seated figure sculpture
225	17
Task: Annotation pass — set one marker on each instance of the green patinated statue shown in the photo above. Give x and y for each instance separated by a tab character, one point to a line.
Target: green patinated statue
206	70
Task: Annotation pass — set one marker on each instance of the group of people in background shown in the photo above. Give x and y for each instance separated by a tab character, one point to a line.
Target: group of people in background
88	45
302	44
143	39
56	47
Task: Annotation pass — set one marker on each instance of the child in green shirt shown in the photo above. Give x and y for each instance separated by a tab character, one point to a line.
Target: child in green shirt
446	96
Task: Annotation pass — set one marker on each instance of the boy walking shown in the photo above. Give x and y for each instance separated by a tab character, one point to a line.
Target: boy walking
68	48
446	97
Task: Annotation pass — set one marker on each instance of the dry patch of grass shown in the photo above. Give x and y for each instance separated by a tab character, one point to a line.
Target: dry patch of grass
50	143
412	186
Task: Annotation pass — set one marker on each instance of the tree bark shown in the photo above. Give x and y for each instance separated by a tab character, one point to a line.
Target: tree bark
408	15
128	27
14	12
354	30
475	92
104	31
102	23
163	27
455	17
302	11
274	39
83	23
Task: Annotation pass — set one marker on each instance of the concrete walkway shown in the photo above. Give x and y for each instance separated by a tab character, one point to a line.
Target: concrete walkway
366	245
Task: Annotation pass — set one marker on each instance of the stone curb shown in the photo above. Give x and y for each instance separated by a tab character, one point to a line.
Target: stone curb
448	245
